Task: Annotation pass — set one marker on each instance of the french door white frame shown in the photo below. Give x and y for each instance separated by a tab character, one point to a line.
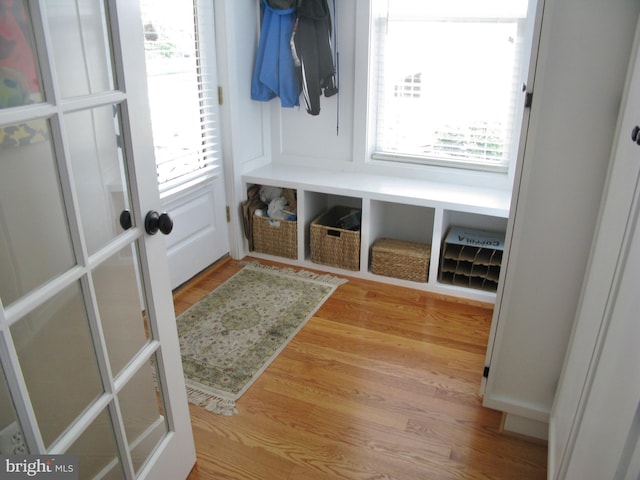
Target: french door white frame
175	455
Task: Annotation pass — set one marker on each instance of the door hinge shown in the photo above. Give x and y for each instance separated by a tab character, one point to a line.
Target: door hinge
485	372
219	95
528	99
228	214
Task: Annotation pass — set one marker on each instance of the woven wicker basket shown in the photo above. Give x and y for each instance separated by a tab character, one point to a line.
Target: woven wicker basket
334	246
275	237
401	259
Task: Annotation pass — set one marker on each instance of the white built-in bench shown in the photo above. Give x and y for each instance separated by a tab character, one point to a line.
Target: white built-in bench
406	209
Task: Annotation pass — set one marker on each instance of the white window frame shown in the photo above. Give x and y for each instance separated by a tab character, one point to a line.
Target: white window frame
365	110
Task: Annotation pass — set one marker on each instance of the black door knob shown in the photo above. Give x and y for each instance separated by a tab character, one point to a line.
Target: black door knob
634	133
125	219
155	221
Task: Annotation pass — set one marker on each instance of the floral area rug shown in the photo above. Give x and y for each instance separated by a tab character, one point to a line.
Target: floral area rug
229	337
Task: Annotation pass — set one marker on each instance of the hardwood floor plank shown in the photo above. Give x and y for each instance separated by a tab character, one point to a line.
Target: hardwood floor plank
433	368
382	383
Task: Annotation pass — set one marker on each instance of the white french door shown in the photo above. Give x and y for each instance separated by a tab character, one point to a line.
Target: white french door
88	344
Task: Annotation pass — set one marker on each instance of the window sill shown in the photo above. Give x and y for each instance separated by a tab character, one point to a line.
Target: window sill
403	159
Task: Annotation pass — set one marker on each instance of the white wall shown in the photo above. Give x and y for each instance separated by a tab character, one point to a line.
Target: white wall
245	130
601	369
312	140
237	38
585	50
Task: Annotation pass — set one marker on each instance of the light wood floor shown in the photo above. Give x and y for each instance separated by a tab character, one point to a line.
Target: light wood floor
382	383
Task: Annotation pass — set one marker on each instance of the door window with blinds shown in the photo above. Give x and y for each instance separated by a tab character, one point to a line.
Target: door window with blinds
447	81
182	85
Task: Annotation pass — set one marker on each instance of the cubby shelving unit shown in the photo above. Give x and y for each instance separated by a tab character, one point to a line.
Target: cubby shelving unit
405	209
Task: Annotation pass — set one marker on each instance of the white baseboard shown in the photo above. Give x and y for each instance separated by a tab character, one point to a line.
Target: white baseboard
521	426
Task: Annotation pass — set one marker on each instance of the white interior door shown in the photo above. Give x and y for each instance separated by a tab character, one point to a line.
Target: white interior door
595	422
88	345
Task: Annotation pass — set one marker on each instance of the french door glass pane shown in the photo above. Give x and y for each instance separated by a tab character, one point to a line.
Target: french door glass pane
143	414
118	296
58	362
11	437
35	244
80	46
97	451
19	72
93	137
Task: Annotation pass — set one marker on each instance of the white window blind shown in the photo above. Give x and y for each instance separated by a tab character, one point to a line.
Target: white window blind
447	79
182	82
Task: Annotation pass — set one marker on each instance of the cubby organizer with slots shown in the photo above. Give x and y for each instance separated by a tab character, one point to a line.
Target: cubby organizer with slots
472	258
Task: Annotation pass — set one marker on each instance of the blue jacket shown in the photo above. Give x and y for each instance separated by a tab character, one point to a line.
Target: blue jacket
274	73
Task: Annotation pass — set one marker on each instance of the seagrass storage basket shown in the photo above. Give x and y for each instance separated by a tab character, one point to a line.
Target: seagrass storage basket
335	246
275	237
401	259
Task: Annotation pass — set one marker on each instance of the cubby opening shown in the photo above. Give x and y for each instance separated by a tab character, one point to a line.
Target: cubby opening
316	204
400	221
270	220
471	254
406	223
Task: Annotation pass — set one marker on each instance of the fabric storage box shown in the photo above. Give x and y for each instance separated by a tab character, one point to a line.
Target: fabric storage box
334	245
472	258
275	237
401	259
